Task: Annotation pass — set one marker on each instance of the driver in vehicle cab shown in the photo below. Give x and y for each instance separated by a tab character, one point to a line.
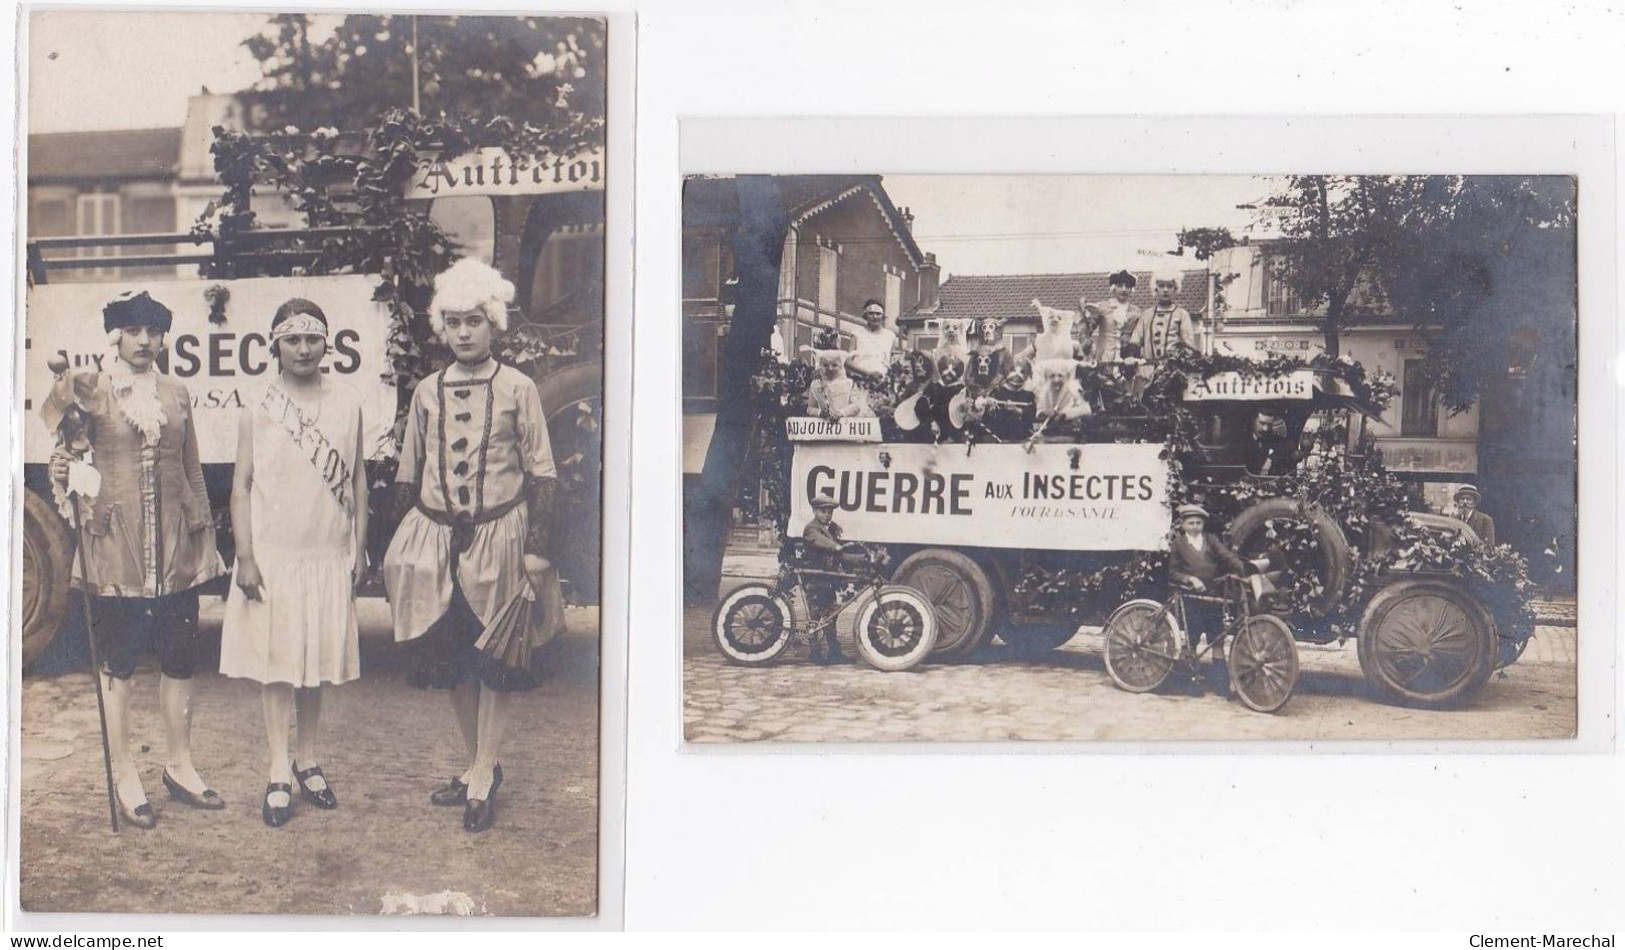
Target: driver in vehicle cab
1197	559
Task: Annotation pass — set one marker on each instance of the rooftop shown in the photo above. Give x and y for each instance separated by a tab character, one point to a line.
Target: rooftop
109	154
1004	296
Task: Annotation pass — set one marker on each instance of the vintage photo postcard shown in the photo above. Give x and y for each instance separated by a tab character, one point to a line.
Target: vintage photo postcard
1148	457
311	404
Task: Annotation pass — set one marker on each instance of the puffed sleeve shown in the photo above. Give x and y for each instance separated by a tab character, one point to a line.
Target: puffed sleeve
534	442
412	440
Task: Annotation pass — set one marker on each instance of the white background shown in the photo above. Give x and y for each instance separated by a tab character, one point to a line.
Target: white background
1092	837
1252	837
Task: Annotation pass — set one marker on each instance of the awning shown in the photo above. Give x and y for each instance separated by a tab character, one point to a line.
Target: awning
697	429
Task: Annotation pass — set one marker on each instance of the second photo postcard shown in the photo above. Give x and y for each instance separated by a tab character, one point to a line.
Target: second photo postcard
1153	457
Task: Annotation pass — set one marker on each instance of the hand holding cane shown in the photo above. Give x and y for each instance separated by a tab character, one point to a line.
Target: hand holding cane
70	429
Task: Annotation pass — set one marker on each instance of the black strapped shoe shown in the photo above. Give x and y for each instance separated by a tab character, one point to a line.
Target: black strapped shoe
277	816
480	814
321	799
456	793
141	816
210	800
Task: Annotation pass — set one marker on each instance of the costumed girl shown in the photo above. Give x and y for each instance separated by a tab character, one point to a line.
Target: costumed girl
148	538
299	513
476	470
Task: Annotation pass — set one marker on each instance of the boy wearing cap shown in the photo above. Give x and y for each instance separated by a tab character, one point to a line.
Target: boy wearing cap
1196	561
148	538
1467	501
822	538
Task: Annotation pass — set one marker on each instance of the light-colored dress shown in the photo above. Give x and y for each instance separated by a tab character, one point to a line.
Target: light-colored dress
470	446
304	630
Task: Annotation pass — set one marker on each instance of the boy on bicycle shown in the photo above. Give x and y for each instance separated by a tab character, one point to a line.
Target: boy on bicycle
1197	559
825	547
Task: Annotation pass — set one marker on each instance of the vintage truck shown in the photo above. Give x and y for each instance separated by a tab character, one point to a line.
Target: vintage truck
989	531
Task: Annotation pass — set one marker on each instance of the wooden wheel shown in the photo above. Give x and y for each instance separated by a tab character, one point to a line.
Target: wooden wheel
959	592
47	568
1426	642
1142	645
1263	663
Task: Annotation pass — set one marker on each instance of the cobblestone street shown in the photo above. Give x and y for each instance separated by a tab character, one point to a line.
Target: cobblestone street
1068	695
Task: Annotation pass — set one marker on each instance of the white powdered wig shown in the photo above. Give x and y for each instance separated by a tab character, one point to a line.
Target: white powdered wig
470	284
1168	276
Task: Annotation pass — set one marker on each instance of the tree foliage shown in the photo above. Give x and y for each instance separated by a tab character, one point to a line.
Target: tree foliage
1482	265
541	70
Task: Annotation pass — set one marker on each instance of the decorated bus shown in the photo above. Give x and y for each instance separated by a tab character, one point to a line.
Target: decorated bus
1027	536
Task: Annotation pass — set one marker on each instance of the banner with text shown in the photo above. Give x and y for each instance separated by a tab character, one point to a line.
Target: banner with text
223	365
496	171
1000	496
816	429
1298	384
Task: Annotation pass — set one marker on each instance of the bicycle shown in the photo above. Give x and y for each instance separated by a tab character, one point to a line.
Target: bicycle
756	623
1146	641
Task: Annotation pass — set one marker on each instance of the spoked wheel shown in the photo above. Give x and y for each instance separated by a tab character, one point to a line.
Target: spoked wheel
1264	663
1426	642
960	592
896	629
752	625
1142	645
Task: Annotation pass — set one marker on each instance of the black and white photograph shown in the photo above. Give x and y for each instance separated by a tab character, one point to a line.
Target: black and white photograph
311	402
1137	457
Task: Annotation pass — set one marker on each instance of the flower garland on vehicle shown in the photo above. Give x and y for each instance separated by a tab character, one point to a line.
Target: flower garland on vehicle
358	181
1356	491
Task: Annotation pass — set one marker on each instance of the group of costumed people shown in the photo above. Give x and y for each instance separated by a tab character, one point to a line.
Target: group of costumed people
470	587
1081	361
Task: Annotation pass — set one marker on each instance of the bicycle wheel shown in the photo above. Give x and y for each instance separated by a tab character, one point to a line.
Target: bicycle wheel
1264	663
896	629
752	625
1142	645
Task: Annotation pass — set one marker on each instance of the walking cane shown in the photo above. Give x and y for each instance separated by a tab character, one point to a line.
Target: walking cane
96	669
72	419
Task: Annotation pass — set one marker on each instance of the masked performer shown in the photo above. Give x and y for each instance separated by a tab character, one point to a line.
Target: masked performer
1012	406
148	539
299	510
478	469
1061	405
833	395
1054	340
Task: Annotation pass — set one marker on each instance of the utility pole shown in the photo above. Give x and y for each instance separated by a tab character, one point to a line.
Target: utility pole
417	106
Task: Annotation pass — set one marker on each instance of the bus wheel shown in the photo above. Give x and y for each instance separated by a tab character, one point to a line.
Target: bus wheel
573	402
960	592
1426	643
47	568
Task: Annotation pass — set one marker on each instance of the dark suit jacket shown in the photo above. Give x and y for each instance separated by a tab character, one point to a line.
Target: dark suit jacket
1483	526
823	538
1209	564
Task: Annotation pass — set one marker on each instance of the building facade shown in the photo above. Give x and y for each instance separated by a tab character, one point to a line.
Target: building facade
846	243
